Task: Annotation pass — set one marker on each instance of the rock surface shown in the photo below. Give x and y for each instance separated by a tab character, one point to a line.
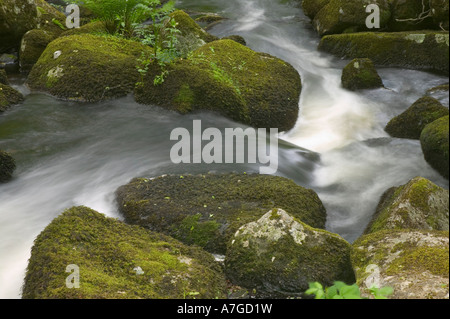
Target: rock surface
361	74
435	146
7	166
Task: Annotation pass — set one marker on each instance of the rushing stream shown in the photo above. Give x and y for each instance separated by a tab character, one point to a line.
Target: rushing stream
70	154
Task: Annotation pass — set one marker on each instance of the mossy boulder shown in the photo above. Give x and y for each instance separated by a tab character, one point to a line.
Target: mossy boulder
206	210
253	88
87	68
434	141
237	38
7	166
361	74
3	77
191	35
440	13
414	263
95	28
116	261
33	43
16	18
419	204
49	18
338	15
408	15
8	97
410	123
278	255
425	50
312	7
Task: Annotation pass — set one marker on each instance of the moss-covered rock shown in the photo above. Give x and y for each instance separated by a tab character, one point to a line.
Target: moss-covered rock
87	67
191	35
206	210
33	44
408	15
428	50
95	28
434	141
339	15
237	38
116	261
8	97
419	205
223	76
7	166
3	77
16	18
414	263
312	7
49	18
410	123
278	255
440	13
361	74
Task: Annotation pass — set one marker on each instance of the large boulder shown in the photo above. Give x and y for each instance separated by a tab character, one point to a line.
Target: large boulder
87	67
414	263
7	166
420	204
278	255
49	18
361	74
116	261
408	15
427	50
410	123
16	18
434	141
8	97
206	210
224	76
34	42
312	7
339	15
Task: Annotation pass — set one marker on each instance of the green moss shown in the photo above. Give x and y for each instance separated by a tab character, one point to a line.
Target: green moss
435	144
3	77
89	68
8	97
107	252
7	166
312	7
230	200
395	49
195	230
95	28
33	44
361	74
47	15
229	78
411	123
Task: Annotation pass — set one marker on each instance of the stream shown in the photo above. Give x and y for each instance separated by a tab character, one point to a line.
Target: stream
71	154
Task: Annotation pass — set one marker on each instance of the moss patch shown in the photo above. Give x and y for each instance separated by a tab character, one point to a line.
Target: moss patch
206	210
434	141
395	49
91	68
8	97
223	76
361	74
108	254
410	123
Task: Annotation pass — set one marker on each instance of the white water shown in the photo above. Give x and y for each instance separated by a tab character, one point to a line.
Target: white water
71	155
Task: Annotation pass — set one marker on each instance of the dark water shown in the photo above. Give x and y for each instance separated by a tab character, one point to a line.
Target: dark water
78	154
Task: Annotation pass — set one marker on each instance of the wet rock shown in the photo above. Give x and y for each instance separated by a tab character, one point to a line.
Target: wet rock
361	74
278	255
9	97
410	123
33	43
434	141
206	210
418	205
116	261
312	7
223	76
425	50
7	166
414	263
88	68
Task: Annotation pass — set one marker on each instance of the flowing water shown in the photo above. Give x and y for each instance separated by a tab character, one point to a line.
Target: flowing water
70	154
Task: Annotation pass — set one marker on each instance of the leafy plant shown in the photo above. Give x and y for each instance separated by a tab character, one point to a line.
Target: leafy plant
341	290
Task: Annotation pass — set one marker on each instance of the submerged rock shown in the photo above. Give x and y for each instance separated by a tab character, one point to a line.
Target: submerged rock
206	210
361	74
418	205
435	147
278	255
7	166
414	263
427	50
8	97
223	76
410	123
87	68
116	261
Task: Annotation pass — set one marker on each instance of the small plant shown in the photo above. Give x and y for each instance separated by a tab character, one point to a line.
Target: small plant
341	290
